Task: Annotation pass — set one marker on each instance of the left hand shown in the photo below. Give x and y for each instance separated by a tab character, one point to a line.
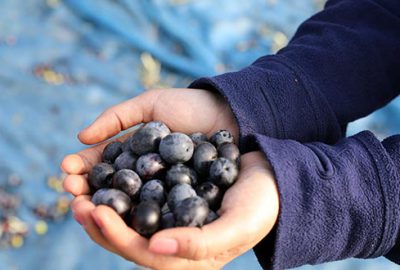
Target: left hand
248	213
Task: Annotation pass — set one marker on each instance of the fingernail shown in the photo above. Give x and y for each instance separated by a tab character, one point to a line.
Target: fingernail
79	219
164	246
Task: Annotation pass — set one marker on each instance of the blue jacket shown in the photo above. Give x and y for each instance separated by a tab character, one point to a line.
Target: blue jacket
339	196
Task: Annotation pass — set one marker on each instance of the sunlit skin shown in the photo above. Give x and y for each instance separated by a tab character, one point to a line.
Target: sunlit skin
249	209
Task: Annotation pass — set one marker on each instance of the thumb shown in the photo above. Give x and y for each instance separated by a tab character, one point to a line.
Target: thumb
120	117
221	236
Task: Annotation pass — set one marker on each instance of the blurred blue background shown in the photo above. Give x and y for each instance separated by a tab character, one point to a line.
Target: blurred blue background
64	62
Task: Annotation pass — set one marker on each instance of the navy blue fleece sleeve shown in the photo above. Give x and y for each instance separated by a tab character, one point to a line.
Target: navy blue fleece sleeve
336	201
342	64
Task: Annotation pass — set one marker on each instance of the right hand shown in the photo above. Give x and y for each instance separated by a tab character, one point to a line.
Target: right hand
248	212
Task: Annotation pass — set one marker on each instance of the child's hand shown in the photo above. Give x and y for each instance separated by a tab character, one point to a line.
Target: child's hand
248	212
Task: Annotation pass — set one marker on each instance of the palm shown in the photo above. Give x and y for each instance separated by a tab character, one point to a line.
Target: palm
254	195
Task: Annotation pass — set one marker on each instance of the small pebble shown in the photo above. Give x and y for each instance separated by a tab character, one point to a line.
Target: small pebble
41	227
16	241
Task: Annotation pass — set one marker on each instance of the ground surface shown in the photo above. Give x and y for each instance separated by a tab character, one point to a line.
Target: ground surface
62	63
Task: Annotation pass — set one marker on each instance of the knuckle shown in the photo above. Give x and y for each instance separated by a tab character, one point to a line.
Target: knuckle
76	203
110	110
118	120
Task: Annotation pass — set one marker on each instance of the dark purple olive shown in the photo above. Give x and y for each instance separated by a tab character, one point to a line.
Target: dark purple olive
127	160
101	176
191	212
150	166
111	152
211	193
223	172
180	174
127	181
229	151
113	198
220	137
145	218
203	156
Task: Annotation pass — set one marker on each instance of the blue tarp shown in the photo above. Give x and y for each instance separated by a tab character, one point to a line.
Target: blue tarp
62	63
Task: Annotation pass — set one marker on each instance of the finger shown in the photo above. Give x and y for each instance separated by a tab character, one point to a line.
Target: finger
119	117
83	161
82	207
78	199
76	185
134	247
130	244
77	210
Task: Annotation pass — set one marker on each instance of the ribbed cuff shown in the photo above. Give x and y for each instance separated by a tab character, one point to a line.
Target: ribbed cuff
336	202
388	168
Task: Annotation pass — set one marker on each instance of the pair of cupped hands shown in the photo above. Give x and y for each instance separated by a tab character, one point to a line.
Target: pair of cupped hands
249	208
